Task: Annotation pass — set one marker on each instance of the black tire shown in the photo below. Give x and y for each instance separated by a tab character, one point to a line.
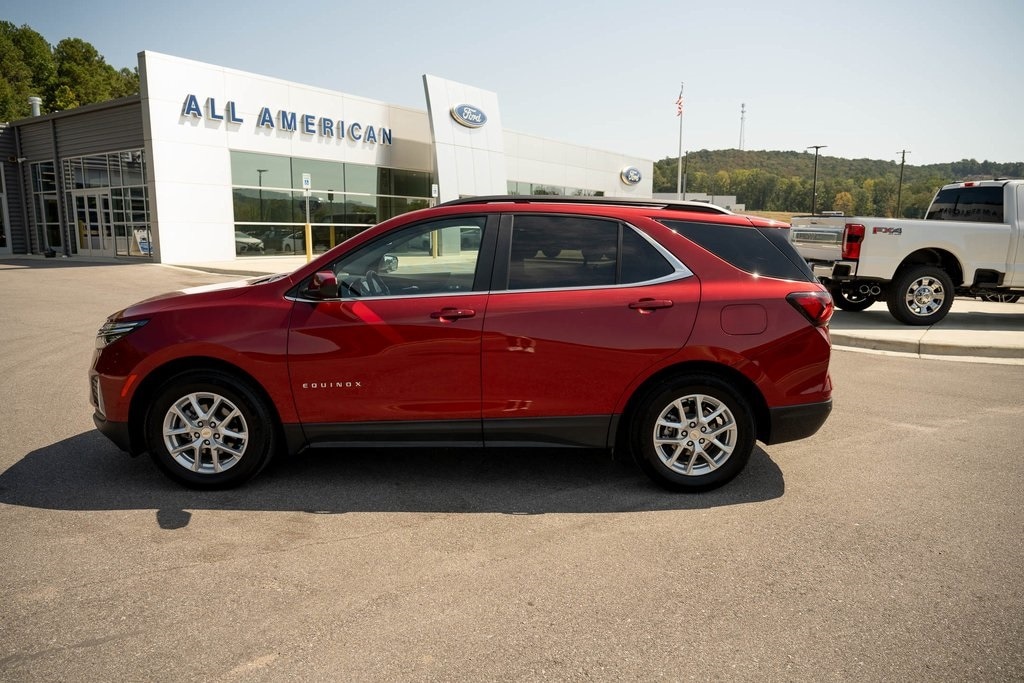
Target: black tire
851	300
668	455
921	295
228	440
1000	298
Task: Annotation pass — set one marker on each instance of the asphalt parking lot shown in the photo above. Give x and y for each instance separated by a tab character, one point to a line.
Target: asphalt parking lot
887	547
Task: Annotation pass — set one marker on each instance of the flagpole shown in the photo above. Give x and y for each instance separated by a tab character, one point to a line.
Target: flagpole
679	166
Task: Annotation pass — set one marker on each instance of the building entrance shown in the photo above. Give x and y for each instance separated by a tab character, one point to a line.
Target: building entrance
93	224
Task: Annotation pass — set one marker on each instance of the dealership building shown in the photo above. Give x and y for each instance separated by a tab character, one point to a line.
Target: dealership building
211	164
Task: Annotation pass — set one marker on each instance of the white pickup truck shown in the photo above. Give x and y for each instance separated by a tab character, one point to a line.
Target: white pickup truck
970	243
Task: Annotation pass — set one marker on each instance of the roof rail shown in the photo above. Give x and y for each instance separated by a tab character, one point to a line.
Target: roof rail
697	207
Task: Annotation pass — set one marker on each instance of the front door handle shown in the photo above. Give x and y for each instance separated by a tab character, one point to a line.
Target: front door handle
450	314
648	305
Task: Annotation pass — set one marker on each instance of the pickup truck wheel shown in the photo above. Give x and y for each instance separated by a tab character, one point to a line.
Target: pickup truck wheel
693	433
921	295
207	430
850	299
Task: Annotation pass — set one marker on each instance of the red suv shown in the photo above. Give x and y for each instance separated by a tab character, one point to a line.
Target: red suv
682	333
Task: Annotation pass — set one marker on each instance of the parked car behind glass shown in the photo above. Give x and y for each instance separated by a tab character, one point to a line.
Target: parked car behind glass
247	244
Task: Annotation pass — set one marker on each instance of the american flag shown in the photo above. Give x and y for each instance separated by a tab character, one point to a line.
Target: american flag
679	103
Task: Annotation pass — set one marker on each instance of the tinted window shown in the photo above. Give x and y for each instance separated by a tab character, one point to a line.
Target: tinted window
562	251
641	262
977	204
744	247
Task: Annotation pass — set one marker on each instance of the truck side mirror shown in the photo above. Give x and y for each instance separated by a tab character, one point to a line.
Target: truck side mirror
324	285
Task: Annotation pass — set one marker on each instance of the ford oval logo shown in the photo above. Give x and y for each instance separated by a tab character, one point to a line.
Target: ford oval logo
631	175
469	116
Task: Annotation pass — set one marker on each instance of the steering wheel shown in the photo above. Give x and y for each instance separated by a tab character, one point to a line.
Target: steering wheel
375	284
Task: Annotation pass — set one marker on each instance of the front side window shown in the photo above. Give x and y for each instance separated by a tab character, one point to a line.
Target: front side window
431	258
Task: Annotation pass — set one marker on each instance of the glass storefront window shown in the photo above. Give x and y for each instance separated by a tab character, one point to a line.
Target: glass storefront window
94	171
345	200
360	179
132	164
3	217
44	178
389	207
396	181
325	175
113	183
361	210
254	170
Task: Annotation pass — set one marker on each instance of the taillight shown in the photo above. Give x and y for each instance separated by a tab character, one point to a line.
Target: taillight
853	235
817	306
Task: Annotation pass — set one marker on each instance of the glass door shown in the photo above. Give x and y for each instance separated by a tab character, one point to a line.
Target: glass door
49	216
93	224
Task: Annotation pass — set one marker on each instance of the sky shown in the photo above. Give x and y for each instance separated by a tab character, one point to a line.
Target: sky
940	79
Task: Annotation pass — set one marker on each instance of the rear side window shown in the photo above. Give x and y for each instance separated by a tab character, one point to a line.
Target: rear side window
976	204
765	252
578	251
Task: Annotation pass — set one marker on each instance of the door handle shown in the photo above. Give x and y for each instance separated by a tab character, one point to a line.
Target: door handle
449	314
648	305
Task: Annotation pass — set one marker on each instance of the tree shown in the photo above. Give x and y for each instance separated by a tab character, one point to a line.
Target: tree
84	77
26	69
65	77
844	202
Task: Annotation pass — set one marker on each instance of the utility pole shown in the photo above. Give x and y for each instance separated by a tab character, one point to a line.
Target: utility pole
679	162
899	191
743	121
814	185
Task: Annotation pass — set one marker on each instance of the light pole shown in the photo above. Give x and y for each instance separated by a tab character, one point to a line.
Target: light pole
260	172
814	184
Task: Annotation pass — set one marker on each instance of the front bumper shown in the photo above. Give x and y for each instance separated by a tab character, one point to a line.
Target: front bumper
790	423
115	431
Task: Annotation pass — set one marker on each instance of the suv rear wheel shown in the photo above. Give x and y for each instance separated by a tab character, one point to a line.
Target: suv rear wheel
693	434
207	430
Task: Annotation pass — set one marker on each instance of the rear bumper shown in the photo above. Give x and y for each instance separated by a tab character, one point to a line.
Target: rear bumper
834	270
790	423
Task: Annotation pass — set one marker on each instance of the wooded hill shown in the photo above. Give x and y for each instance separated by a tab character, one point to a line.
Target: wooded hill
782	181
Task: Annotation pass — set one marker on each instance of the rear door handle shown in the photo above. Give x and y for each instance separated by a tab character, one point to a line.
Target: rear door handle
449	314
645	305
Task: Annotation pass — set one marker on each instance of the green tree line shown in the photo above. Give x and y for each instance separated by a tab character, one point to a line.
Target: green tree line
65	76
783	181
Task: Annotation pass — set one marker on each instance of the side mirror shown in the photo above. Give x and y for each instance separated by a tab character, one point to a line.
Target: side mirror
324	285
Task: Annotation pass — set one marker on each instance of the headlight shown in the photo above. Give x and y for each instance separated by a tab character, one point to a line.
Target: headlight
112	331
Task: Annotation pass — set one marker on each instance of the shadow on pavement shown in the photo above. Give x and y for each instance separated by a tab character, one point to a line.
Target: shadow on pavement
86	472
38	262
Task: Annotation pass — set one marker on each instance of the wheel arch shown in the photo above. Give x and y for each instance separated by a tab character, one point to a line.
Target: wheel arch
145	393
736	379
940	258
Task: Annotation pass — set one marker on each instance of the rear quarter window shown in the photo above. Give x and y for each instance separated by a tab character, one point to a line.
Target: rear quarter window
975	204
760	251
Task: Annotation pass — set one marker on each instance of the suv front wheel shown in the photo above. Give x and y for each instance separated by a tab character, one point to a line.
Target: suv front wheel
208	430
693	434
